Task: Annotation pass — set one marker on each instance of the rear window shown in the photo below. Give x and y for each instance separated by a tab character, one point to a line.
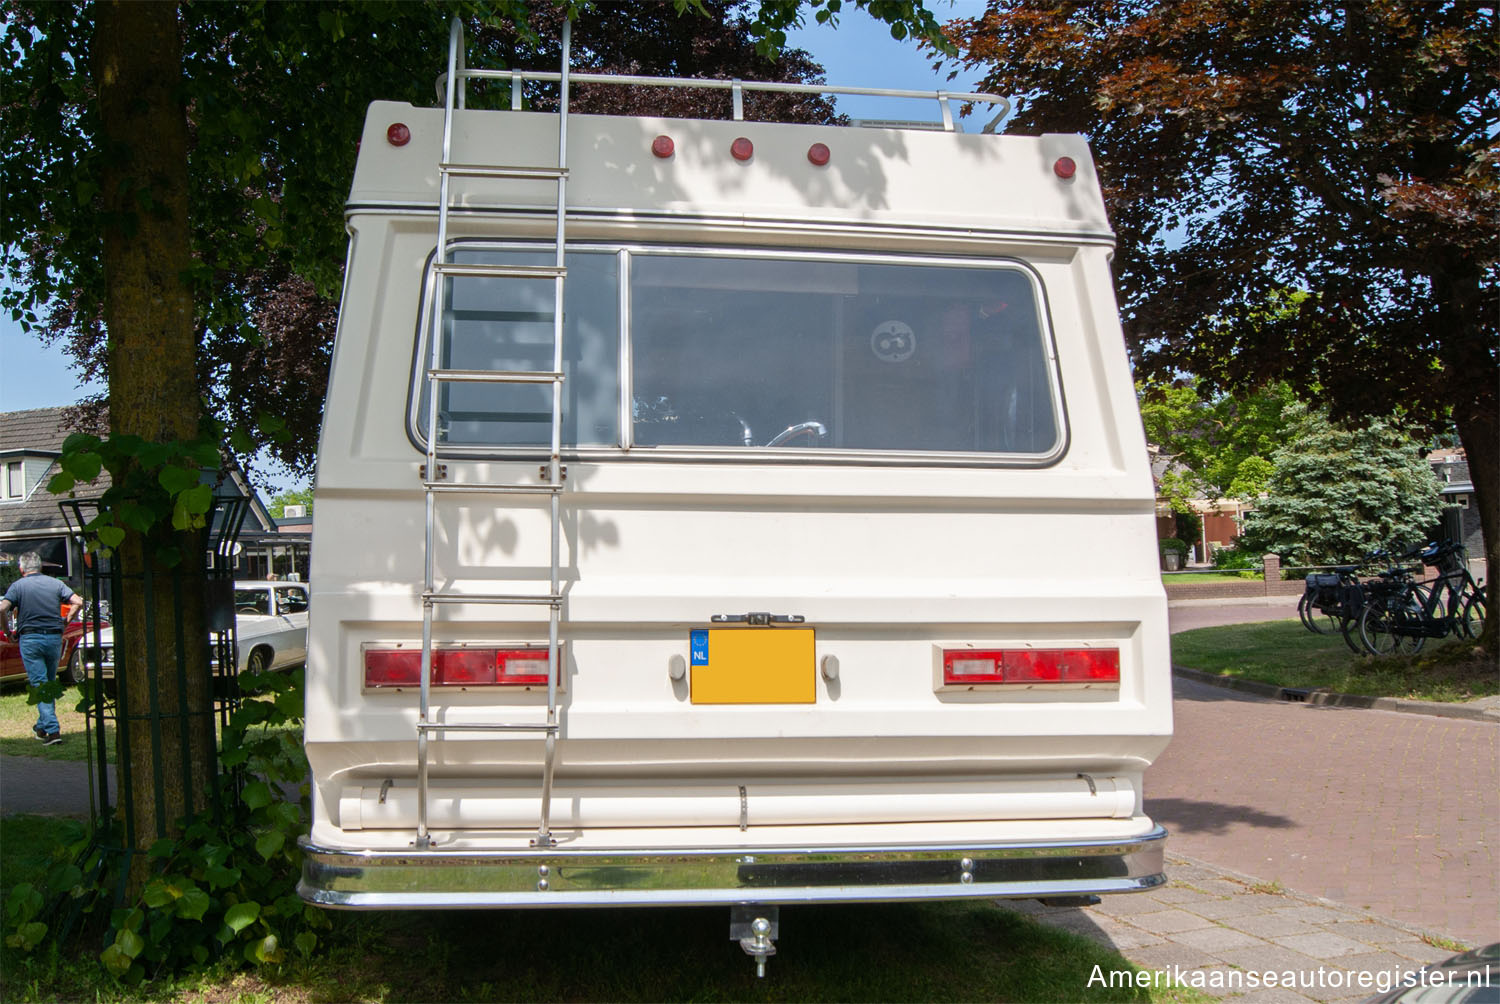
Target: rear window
753	354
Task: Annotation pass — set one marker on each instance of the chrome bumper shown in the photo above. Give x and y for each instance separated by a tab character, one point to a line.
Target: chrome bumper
684	877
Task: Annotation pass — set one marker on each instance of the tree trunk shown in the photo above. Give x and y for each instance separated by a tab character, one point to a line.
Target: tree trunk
1479	431
1472	386
166	715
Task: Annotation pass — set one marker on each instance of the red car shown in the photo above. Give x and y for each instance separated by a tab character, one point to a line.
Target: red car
68	667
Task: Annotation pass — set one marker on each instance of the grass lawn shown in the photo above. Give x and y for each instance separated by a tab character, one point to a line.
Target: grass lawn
17	717
878	952
1286	654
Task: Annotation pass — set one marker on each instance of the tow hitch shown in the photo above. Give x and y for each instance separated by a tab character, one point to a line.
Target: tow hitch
754	926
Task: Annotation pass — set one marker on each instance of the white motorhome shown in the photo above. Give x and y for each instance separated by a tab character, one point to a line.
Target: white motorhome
782	530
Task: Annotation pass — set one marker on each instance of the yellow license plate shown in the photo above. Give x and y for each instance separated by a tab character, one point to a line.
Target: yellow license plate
753	666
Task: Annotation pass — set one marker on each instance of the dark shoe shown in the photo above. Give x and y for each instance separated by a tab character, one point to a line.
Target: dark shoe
39	732
53	739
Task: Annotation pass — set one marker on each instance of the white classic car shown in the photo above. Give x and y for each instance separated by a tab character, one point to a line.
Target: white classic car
270	628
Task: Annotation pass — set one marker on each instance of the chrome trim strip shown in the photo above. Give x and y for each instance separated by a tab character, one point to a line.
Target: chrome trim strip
737	224
696	876
625	251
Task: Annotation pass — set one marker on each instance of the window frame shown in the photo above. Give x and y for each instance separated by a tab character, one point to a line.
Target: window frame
627	449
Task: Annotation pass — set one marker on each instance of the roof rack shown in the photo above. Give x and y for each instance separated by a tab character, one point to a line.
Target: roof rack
737	87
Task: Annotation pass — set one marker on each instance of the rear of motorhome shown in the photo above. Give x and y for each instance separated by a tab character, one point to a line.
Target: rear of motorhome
728	512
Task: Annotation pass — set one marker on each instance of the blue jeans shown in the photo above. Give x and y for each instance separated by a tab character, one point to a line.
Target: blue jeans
39	654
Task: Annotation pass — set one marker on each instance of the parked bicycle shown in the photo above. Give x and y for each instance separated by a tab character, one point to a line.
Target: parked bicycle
1402	614
1333	600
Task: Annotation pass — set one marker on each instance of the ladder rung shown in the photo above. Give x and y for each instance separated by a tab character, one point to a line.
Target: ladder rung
519	173
479	727
478	270
454	599
478	488
495	376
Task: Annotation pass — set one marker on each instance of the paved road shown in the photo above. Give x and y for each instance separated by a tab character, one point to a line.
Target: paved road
1395	813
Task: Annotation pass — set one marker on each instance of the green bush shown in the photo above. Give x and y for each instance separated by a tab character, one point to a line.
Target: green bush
227	886
1172	544
1230	557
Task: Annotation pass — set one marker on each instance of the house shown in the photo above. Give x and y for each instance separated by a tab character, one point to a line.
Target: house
1461	510
1222	519
33	519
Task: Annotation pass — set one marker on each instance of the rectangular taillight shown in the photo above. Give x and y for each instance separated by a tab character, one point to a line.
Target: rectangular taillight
969	667
457	667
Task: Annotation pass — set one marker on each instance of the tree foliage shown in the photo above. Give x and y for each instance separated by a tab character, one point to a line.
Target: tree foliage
275	97
1337	493
1218	444
1348	152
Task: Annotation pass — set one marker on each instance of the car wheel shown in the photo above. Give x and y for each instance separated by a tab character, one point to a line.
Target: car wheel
258	662
77	671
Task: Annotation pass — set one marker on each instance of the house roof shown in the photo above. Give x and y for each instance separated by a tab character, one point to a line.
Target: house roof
40	430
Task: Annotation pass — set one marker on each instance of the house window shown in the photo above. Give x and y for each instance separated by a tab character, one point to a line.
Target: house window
15	480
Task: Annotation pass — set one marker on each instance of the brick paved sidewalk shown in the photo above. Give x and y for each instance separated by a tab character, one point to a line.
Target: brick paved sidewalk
1210	920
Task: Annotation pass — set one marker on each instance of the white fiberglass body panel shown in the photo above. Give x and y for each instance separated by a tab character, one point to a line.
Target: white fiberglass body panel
893	550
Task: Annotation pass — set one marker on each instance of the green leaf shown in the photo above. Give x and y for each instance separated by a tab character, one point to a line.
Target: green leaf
111	536
257	794
116	961
28	936
23	903
177	479
130	943
158	894
61	484
267	949
241	916
221	876
306	942
194	904
268	843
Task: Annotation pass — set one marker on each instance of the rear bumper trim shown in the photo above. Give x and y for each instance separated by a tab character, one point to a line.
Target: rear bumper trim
388	880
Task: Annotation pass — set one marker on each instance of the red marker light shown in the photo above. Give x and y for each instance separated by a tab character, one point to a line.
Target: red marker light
818	154
663	146
1065	168
742	149
398	134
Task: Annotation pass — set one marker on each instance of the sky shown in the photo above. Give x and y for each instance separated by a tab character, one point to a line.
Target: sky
858	53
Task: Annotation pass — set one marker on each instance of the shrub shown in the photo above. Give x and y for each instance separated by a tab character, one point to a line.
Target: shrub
1230	557
1172	544
227	887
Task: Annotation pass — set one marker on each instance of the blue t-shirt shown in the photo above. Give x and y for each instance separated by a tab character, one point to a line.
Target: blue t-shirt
38	600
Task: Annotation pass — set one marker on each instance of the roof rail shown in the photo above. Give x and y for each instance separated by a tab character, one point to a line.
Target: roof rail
737	87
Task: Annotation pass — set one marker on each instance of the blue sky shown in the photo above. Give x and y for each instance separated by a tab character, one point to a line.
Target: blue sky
858	53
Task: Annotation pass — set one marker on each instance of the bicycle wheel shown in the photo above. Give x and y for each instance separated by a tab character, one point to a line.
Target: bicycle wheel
1471	621
1314	618
1304	604
1375	630
1410	621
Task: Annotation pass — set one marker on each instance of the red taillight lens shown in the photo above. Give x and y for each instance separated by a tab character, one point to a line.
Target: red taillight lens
1031	665
457	667
392	667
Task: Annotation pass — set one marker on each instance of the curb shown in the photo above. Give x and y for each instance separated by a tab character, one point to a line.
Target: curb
1271	691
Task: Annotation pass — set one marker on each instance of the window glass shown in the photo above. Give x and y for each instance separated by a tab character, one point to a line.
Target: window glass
290	600
15	481
252	601
495	323
785	353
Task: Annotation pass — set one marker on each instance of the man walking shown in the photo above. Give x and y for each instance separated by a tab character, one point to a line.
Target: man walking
39	601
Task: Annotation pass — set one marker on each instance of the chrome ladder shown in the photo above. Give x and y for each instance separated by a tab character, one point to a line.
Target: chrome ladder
433	475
